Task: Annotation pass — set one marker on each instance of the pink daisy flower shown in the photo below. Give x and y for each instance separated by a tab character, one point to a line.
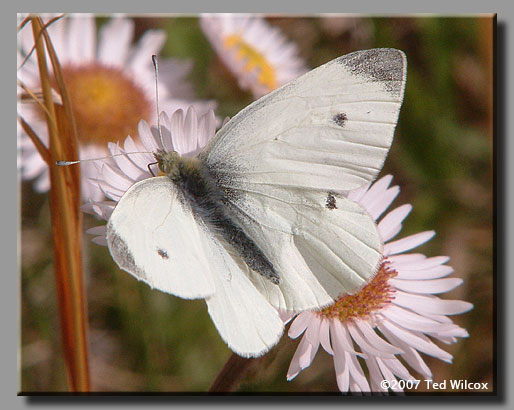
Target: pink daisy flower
394	316
111	84
257	53
185	133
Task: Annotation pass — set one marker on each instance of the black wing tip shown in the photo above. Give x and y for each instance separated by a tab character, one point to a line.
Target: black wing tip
383	65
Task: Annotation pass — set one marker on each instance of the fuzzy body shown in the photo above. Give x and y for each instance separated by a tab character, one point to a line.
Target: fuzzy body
208	204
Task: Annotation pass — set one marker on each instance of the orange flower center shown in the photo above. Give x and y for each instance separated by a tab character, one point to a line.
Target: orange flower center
254	60
372	297
107	104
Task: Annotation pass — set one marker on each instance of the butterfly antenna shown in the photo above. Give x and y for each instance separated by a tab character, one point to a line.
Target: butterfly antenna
65	163
156	67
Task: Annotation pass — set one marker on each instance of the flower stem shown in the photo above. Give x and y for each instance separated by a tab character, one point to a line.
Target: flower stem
231	374
66	222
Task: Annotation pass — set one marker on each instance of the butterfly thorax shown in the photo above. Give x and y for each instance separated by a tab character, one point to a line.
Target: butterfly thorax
208	203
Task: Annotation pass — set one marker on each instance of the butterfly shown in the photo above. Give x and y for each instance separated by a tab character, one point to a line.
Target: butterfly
259	221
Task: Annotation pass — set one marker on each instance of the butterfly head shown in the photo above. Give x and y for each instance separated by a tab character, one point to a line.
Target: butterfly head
168	161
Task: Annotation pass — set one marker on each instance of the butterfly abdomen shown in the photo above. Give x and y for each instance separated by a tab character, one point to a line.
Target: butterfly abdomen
207	201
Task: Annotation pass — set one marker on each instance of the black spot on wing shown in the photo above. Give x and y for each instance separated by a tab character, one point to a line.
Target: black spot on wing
162	253
383	65
331	201
340	119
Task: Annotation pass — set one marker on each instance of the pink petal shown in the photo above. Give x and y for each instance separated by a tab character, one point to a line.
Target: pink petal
299	325
380	344
388	375
190	130
431	273
342	370
147	138
407	243
423	304
391	224
404	262
416	341
434	286
177	131
139	159
339	337
409	258
115	39
376	208
410	355
150	44
324	331
97	230
357	374
413	321
303	352
312	333
115	179
99	240
81	38
376	191
166	134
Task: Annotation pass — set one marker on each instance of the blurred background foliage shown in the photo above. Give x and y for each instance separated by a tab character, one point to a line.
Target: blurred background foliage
144	340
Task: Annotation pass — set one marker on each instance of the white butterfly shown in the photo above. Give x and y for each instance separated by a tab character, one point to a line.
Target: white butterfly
259	220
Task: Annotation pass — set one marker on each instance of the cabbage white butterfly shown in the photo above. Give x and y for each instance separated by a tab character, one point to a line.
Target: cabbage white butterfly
259	220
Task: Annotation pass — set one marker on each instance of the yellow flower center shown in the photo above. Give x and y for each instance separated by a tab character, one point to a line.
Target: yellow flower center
107	104
254	60
372	297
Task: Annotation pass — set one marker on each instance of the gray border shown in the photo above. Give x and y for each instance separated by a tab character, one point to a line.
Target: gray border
505	197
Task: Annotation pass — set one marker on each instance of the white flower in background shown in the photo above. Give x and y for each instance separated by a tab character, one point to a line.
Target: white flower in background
186	134
111	85
257	53
395	315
